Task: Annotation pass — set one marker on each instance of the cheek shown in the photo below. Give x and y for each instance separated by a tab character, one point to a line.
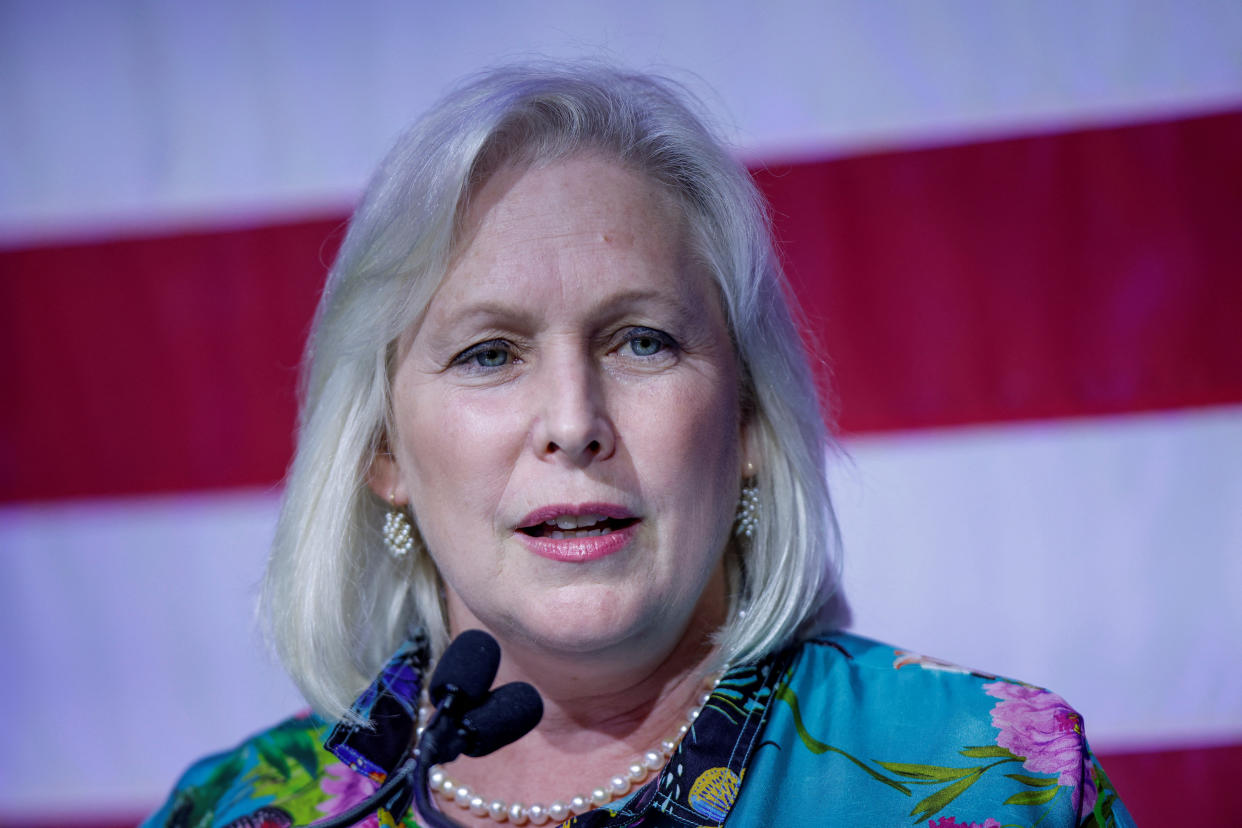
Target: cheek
456	458
693	450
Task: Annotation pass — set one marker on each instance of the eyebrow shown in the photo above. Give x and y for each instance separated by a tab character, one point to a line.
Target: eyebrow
488	310
514	315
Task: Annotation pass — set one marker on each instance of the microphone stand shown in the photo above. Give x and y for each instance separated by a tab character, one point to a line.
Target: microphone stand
422	797
413	773
385	797
441	742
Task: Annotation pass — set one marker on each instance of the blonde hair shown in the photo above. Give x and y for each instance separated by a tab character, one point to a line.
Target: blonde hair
336	602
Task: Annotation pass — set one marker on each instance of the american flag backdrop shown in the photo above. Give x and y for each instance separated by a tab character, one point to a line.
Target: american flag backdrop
1015	230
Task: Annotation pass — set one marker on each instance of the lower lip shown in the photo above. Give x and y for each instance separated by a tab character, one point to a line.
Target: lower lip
580	550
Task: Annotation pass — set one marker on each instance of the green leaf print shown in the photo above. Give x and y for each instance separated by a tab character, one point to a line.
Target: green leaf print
196	805
1034	797
951	782
812	744
987	752
1032	781
929	773
272	757
304	746
933	804
294	740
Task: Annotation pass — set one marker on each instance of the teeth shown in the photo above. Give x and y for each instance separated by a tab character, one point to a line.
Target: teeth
557	534
573	521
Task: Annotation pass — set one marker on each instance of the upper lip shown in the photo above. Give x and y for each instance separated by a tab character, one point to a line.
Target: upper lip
553	511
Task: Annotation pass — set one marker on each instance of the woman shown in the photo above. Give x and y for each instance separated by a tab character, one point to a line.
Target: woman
554	391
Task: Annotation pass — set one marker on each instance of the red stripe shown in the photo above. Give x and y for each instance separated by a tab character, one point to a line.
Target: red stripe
1084	273
156	364
1178	787
1058	275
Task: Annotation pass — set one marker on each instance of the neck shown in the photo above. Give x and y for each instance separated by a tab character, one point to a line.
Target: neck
637	707
601	712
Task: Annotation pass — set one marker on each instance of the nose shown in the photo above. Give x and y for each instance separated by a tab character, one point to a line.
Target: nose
574	425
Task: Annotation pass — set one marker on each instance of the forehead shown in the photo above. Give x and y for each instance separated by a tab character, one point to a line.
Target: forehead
584	193
579	223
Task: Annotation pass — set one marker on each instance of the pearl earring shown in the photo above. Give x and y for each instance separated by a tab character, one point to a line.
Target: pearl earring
747	511
398	533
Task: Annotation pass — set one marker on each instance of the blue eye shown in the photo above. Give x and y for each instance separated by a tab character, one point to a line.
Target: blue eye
491	357
645	345
648	342
494	353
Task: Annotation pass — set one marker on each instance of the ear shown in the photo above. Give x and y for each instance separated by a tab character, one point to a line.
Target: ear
384	479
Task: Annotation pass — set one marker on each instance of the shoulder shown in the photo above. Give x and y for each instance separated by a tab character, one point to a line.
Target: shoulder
903	734
878	696
279	777
875	670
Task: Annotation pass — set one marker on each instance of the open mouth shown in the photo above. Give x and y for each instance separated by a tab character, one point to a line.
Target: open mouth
576	526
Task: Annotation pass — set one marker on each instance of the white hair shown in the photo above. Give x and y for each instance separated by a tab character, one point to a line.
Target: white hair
336	602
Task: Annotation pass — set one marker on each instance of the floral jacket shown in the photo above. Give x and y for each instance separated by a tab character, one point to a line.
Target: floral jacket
838	730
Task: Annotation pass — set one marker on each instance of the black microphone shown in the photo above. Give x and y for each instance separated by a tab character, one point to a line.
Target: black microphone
469	719
510	712
466	670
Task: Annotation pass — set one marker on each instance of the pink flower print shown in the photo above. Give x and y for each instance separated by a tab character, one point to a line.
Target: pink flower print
347	788
1041	728
951	822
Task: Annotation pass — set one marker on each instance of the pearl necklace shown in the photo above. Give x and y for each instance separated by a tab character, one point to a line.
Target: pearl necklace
519	813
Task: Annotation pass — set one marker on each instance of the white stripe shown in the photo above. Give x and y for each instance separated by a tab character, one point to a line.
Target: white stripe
1098	557
129	112
130	647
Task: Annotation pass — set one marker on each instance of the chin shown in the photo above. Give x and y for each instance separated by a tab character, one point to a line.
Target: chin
588	619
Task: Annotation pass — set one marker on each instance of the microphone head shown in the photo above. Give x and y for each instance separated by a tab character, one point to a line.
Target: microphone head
467	668
510	712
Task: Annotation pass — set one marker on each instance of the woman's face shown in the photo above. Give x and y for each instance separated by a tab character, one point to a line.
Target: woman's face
567	416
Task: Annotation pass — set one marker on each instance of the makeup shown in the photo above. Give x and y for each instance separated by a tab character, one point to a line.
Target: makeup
577	532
